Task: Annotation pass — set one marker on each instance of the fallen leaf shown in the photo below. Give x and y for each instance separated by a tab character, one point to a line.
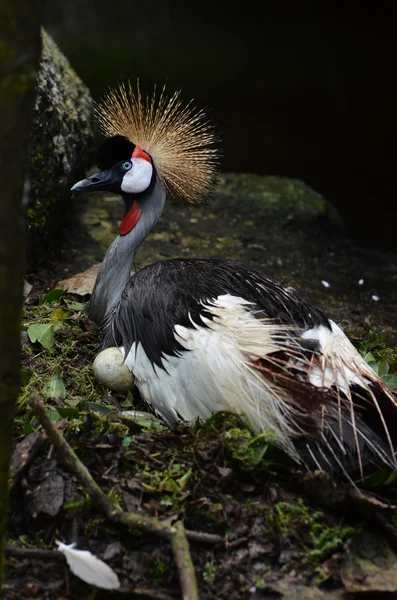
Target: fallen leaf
143	419
74	305
42	333
112	550
131	501
52	296
54	388
320	487
47	497
96	407
81	284
369	504
27	288
24	452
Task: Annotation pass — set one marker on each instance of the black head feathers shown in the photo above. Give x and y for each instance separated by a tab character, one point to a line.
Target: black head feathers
114	150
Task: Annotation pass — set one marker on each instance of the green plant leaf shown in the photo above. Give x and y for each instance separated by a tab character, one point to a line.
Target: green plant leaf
26	375
128	402
392	478
371	360
74	305
54	388
96	407
68	413
378	478
391	381
73	402
142	419
42	333
182	481
52	414
28	428
383	367
52	296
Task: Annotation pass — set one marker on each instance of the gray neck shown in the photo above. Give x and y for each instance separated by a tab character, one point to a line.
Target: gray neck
115	271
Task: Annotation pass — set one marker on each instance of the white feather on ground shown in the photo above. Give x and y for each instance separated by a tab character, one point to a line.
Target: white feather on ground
89	568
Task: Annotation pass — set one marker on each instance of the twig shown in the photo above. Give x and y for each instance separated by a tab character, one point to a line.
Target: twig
176	534
34	553
205	538
132	520
187	576
237	543
154	594
24	453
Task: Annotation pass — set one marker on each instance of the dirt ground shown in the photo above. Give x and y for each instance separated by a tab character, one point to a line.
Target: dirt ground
281	533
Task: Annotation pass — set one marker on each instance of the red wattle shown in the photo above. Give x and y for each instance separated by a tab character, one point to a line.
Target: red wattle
130	219
139	153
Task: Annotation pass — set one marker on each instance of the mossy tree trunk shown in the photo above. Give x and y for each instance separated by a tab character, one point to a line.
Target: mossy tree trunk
20	22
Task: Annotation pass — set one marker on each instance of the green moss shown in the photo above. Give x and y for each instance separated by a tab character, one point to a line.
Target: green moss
70	356
375	343
209	573
160	571
317	538
172	481
36	161
257	196
61	142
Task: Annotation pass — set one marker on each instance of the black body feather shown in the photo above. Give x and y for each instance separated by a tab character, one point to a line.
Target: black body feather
173	292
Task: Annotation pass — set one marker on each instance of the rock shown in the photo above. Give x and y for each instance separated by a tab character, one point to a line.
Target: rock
62	139
370	565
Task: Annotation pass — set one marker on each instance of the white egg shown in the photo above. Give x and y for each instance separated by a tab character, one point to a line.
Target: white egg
112	372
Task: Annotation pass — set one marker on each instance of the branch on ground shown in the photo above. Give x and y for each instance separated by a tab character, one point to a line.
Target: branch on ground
175	533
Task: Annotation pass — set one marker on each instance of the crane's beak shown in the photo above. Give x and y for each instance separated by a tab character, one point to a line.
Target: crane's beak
103	181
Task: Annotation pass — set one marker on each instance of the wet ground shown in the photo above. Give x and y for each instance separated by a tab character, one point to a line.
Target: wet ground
285	537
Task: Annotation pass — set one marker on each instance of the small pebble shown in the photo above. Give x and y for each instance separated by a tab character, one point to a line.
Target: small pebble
374	297
360	281
325	284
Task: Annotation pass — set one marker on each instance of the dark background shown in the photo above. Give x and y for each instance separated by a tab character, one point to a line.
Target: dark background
296	89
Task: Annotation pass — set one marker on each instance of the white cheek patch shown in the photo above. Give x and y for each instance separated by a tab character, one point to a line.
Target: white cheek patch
138	178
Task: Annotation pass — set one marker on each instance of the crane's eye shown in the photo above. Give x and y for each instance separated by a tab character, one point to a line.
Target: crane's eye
126	166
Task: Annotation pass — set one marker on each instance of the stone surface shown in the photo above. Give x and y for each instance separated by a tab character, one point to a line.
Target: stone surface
61	142
370	565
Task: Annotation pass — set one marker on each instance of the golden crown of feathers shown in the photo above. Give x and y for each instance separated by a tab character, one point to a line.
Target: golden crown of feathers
178	137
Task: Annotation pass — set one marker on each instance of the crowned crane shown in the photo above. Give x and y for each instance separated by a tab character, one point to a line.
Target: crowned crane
201	336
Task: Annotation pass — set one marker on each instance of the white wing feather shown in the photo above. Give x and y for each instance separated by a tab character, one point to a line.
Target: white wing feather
89	568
